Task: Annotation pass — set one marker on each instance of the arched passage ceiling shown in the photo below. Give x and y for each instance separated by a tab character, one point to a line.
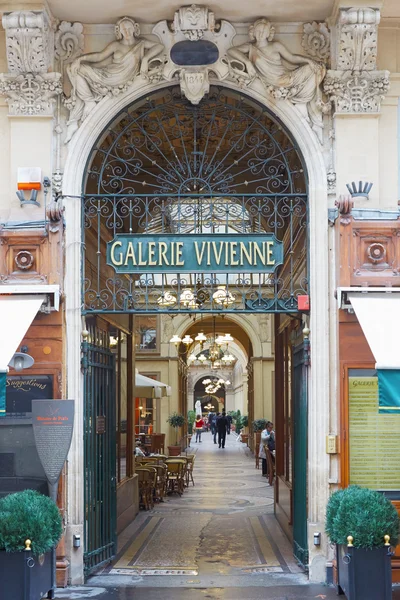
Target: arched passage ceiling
222	325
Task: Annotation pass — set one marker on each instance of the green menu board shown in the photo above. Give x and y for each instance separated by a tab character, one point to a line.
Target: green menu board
374	438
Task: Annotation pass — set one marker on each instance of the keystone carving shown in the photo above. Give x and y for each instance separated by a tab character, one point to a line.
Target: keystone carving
193	21
29	41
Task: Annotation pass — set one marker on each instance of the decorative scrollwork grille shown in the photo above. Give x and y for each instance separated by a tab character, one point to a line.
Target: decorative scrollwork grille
164	166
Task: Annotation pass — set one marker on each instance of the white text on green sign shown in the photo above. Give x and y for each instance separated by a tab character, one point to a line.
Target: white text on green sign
191	253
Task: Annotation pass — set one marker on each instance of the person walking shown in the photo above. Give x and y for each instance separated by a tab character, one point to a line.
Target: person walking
215	430
229	419
199	424
222	426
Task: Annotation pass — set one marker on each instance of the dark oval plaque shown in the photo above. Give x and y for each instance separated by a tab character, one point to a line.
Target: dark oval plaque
200	52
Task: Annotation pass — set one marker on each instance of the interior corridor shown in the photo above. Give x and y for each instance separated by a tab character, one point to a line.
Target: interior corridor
220	533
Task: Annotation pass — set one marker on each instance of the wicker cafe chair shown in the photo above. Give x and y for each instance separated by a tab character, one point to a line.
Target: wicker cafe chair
146	484
175	476
161	481
189	469
270	464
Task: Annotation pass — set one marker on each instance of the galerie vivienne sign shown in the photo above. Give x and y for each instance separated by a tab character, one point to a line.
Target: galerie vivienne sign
195	253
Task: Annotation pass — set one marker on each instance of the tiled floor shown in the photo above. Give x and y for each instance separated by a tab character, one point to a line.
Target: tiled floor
224	524
218	541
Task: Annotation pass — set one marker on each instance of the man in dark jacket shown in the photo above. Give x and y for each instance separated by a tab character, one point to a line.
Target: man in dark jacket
229	419
215	430
222	425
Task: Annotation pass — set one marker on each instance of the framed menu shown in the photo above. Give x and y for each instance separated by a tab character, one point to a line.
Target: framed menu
22	389
374	438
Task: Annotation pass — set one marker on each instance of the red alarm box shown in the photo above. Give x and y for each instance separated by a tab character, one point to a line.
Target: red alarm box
303	302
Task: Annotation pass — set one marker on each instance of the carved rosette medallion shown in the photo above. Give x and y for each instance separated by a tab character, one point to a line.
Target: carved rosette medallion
24	260
376	253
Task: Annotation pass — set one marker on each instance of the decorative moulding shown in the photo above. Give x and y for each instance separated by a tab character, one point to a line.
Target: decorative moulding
30	94
193	21
29	41
145	60
316	40
69	41
355	92
358	39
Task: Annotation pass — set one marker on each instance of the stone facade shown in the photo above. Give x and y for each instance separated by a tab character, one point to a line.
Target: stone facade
333	83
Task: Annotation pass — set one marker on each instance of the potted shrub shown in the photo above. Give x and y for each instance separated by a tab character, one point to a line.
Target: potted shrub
364	525
191	417
176	420
258	425
245	424
30	529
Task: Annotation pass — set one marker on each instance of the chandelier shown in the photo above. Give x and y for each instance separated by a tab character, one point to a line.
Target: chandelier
214	350
211	386
188	298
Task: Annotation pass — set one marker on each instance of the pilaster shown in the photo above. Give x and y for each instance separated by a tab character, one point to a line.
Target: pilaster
356	88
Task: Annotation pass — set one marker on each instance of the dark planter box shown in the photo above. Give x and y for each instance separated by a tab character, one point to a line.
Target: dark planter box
26	577
364	574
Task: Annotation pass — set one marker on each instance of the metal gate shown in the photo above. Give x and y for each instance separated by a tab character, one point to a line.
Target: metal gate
164	167
98	364
300	542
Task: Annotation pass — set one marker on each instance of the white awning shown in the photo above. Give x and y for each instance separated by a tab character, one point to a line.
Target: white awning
379	317
145	387
16	315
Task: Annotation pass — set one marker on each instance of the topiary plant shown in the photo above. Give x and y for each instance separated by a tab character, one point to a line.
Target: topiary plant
29	515
176	420
259	425
364	514
191	417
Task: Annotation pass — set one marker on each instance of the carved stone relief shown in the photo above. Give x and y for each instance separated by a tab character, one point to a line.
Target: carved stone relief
357	92
135	60
193	21
29	41
29	88
316	40
355	86
30	94
358	40
130	56
69	41
284	75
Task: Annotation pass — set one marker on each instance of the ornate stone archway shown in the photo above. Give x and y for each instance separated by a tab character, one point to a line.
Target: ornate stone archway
298	124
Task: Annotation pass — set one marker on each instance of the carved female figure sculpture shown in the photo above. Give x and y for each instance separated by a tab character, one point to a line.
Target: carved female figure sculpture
284	74
113	70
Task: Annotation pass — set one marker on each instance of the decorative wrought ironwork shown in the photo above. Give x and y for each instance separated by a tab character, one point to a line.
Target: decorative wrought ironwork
165	166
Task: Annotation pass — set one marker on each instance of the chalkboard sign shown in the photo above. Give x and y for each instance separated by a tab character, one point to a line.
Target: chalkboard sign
22	389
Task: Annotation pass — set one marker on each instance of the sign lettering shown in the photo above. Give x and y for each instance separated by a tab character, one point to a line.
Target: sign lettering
187	253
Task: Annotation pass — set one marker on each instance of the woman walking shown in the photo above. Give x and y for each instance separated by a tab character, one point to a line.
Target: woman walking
199	424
